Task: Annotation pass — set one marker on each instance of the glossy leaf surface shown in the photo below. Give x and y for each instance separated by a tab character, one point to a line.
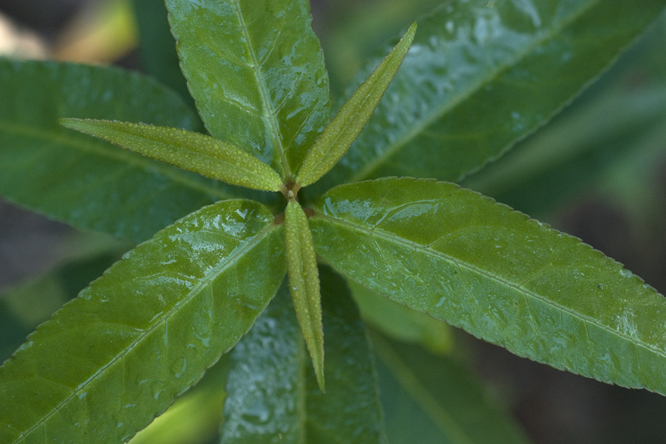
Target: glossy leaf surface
334	141
436	400
187	150
273	394
304	283
401	322
512	281
90	183
112	359
256	71
482	75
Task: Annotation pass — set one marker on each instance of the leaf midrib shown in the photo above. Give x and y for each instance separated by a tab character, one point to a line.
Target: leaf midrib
121	155
214	273
535	296
438	113
263	91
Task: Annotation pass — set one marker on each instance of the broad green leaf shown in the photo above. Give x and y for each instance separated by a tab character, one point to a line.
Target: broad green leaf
273	394
304	283
256	71
190	151
143	333
512	281
481	76
25	306
157	47
400	322
334	141
436	400
90	183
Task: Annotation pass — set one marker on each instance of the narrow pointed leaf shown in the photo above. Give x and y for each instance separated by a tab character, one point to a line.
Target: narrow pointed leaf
401	322
334	142
273	394
436	400
112	359
481	76
185	149
90	183
512	281
304	283
256	71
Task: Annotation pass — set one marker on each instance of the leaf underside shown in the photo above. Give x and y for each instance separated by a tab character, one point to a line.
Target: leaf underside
145	331
274	395
512	281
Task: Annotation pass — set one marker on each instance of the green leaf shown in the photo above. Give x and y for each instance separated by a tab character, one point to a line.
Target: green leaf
185	149
304	283
90	183
482	75
256	71
400	322
437	400
334	141
273	394
143	333
157	47
26	306
512	281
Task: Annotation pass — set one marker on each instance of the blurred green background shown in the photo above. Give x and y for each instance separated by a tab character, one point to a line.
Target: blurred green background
596	171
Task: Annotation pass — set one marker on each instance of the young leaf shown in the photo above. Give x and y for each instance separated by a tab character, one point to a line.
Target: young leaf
304	283
256	71
334	141
433	400
512	281
115	357
481	76
185	149
273	395
90	183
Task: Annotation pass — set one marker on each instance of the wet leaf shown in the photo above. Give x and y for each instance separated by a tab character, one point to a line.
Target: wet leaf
90	183
334	141
185	149
401	322
481	76
256	71
509	280
274	395
116	356
436	400
304	283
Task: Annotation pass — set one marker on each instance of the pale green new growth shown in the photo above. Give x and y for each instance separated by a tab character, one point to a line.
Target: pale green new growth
304	284
334	142
185	149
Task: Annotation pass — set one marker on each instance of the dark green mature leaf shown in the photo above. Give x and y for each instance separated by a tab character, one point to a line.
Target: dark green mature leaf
257	73
117	355
157	47
188	150
90	183
482	75
334	141
436	400
304	283
401	322
273	394
507	279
